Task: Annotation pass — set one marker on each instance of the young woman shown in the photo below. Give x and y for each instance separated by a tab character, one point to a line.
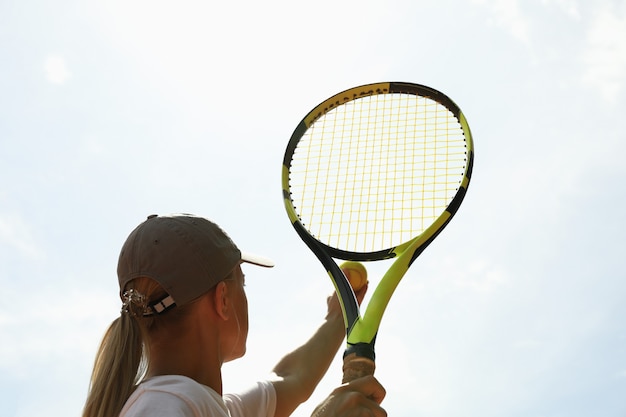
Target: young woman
185	313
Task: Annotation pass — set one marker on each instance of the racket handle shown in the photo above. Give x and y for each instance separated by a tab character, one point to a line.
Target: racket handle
356	367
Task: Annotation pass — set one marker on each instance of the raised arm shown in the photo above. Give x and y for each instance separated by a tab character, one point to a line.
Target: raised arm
298	373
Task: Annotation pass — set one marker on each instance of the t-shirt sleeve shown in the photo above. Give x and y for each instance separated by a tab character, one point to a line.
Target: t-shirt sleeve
257	401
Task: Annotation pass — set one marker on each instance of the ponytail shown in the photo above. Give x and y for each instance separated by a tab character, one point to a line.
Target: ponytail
118	368
121	360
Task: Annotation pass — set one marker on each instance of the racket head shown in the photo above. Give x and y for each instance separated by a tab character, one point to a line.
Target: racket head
326	186
373	172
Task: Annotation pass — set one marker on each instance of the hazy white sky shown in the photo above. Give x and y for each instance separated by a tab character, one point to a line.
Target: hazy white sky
114	110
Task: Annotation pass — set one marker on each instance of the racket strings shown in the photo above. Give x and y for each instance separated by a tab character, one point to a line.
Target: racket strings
377	171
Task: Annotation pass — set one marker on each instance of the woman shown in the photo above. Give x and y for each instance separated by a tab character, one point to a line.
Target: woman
184	314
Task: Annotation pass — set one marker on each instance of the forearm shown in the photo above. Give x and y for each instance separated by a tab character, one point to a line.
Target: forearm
309	362
299	372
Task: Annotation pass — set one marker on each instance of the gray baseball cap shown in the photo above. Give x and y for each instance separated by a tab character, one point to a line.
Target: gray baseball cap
186	254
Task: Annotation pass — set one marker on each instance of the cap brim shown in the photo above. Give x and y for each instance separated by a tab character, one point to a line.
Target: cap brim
256	260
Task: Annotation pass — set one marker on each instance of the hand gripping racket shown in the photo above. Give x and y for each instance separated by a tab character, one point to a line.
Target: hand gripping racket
373	173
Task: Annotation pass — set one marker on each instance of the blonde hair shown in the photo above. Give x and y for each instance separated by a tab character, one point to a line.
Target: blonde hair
121	360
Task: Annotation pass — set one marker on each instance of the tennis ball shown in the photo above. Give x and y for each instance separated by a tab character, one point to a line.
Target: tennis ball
356	274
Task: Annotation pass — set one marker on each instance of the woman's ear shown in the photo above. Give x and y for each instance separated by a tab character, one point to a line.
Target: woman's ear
221	300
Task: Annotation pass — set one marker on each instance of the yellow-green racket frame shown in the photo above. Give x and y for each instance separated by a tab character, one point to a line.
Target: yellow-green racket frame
361	331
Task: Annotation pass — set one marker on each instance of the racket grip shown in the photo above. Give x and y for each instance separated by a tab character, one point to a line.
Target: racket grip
356	367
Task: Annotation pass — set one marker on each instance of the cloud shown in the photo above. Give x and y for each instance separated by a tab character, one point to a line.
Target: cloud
16	234
56	69
604	53
46	327
569	7
506	14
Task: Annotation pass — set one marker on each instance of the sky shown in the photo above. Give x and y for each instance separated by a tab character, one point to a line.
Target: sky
111	111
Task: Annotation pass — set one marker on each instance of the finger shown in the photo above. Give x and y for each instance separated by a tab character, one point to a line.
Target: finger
375	410
370	387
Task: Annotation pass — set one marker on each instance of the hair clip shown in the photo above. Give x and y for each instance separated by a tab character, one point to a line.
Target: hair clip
134	297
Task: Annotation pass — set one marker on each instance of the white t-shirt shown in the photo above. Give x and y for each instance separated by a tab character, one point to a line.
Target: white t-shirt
180	396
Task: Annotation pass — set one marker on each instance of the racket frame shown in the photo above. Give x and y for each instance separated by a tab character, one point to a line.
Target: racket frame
361	331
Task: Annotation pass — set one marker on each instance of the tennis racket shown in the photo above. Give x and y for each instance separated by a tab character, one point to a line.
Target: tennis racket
373	173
